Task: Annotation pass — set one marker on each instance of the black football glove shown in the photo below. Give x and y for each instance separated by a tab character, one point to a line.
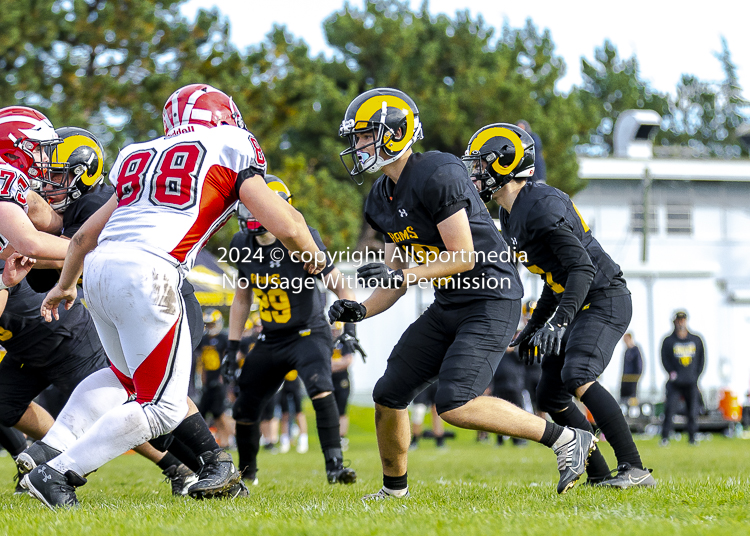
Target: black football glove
527	352
350	336
549	338
229	366
377	274
346	311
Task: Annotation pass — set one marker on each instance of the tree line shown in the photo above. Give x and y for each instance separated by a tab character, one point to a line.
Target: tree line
77	62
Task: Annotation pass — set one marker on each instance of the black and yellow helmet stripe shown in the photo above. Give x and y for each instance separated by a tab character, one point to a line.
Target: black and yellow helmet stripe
373	106
492	132
64	150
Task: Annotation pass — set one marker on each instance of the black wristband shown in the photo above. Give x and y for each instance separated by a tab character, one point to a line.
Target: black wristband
233	346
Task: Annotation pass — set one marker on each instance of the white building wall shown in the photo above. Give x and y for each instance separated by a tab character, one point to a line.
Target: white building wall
696	272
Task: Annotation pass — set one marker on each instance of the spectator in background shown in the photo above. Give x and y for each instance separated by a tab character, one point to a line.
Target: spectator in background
683	357
632	368
540	169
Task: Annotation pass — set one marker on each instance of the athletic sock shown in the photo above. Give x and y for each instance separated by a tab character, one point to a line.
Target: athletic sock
609	418
327	421
573	418
184	454
12	440
168	461
248	444
195	435
395	485
552	433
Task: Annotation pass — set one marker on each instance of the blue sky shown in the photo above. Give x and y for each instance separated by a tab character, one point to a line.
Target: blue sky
668	37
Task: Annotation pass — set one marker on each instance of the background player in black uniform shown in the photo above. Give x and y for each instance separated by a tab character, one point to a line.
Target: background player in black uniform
74	188
295	336
426	205
585	306
683	357
213	399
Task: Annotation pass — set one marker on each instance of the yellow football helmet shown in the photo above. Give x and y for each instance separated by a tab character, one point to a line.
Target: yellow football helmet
75	166
498	153
392	117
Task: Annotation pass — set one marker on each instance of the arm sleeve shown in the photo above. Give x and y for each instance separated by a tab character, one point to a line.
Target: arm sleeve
638	362
444	192
545	306
666	356
577	264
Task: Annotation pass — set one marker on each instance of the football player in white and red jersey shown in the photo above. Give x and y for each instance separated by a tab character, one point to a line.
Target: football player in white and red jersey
172	194
24	135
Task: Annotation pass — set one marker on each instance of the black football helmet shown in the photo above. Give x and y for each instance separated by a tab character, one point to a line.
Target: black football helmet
498	153
76	165
393	119
248	224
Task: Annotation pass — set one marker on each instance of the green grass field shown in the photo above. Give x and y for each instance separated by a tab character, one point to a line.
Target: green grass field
465	489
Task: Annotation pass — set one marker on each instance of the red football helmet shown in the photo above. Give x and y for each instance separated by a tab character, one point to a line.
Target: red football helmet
200	104
22	131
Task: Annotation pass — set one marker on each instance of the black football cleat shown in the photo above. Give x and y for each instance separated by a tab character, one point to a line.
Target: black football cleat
180	477
573	457
341	475
217	475
36	454
54	489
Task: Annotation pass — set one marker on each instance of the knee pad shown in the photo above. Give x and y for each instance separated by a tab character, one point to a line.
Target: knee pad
165	417
418	411
446	398
382	394
573	379
9	417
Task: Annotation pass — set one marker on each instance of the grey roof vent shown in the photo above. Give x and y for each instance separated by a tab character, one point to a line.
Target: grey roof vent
634	133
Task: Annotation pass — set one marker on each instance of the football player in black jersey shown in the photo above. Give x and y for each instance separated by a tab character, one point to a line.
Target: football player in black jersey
295	336
74	188
585	306
426	206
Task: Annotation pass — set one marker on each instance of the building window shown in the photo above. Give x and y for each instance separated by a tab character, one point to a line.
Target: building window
679	219
636	219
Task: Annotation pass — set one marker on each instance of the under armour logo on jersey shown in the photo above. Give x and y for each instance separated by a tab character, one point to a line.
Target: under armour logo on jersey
275	264
514	241
402	213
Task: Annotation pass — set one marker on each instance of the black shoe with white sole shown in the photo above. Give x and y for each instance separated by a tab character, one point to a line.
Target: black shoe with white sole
54	489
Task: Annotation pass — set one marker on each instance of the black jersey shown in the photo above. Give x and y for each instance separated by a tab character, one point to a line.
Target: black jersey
23	331
288	296
432	187
539	210
84	207
74	217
